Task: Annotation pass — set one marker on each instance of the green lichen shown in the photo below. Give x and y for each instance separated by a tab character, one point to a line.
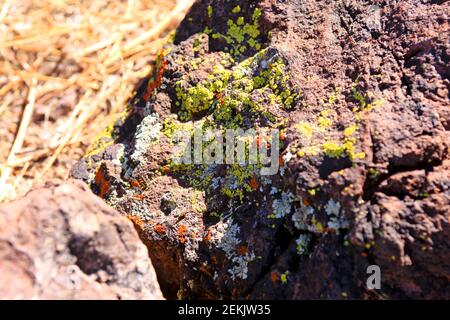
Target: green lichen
236	90
306	129
241	35
320	135
256	14
180	294
365	102
373	172
196	44
228	99
171	126
317	225
238	176
210	11
197	203
198	98
333	149
324	122
423	195
284	277
351	130
195	99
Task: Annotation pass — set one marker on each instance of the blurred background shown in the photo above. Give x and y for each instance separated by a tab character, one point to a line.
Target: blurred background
66	69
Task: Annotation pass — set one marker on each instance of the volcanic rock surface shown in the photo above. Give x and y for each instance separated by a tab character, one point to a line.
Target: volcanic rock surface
359	91
62	242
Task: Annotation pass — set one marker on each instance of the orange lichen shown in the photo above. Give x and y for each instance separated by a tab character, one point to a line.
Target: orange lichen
242	250
136	221
220	98
102	182
329	230
253	182
165	169
204	270
306	202
182	233
159	229
152	85
135	183
139	197
274	276
258	141
208	236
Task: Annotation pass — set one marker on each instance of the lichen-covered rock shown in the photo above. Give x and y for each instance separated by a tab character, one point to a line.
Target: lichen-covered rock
61	242
359	94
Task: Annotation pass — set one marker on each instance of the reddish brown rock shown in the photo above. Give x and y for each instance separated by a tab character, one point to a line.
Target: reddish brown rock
62	242
360	91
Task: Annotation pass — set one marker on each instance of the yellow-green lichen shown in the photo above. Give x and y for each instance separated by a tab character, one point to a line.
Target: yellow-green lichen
210	11
319	134
171	126
226	100
306	129
198	205
351	130
236	9
241	35
333	149
229	92
284	277
256	14
373	172
198	98
365	101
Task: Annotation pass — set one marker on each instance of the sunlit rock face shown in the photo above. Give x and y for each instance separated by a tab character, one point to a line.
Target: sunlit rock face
62	242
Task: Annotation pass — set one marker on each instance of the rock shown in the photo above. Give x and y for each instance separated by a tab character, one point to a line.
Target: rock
62	242
359	94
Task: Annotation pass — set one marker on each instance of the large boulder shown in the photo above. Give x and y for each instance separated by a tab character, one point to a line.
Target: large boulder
62	242
359	92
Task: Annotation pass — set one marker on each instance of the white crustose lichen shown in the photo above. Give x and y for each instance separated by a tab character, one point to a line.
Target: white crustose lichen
282	207
147	132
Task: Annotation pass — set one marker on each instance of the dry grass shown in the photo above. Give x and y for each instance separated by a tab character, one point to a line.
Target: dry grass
66	68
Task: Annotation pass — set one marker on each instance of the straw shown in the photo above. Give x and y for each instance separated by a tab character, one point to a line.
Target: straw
66	69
